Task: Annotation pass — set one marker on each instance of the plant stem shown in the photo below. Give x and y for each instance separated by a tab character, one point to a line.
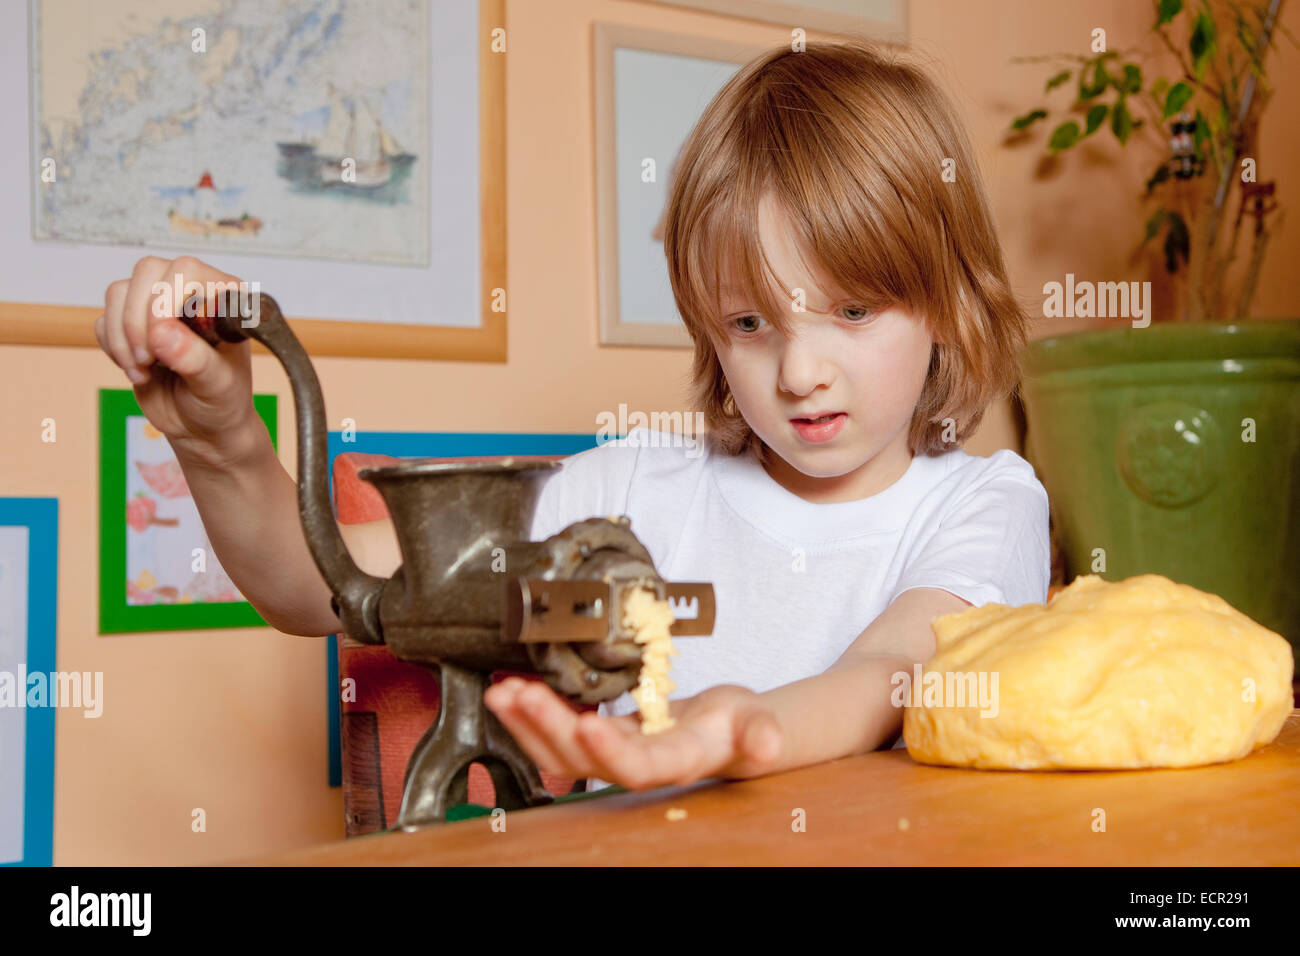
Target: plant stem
1187	71
1212	274
1260	244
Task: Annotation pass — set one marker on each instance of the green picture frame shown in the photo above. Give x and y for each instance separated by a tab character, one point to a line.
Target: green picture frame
116	615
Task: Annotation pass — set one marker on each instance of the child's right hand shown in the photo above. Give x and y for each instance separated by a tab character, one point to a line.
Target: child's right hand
201	398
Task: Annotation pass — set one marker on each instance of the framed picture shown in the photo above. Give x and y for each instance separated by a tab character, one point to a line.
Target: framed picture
426	445
29	572
882	19
157	569
651	88
354	192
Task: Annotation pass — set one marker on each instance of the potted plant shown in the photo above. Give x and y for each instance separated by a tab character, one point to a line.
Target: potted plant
1173	446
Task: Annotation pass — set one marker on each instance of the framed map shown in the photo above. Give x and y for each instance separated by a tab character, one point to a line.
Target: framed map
346	155
262	127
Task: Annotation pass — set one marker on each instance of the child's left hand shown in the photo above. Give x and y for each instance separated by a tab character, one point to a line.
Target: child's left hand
726	731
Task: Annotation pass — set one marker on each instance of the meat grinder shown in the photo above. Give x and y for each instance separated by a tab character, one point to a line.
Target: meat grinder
473	594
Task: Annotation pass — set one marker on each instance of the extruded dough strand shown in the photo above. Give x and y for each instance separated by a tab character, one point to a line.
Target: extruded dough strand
651	619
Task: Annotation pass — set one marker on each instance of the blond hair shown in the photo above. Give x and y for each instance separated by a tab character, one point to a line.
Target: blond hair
853	144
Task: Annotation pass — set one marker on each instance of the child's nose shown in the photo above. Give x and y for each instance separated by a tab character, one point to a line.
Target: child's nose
805	364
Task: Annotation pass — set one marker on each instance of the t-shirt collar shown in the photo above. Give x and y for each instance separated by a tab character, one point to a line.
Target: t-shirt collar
762	501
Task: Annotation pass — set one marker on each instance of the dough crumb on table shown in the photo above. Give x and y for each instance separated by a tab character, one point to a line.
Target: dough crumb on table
650	620
1143	672
675	813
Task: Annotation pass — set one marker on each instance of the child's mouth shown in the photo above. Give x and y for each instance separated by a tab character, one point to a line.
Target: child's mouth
819	429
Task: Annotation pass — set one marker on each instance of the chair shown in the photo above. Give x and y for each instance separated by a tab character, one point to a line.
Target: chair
396	701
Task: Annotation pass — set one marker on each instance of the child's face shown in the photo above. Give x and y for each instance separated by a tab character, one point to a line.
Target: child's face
840	358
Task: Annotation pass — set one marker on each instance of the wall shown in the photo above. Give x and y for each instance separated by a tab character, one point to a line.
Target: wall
234	721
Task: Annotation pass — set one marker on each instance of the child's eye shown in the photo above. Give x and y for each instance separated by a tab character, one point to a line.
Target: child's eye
860	319
744	318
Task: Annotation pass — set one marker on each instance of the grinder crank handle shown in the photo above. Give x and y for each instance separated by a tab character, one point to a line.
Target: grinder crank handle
355	593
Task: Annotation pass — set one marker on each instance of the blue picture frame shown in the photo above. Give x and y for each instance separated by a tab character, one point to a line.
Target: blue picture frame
428	445
41	518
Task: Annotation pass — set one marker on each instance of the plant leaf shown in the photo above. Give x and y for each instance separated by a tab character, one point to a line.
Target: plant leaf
1178	96
1099	80
1096	116
1132	81
1201	44
1168	10
1121	122
1202	131
1032	116
1064	136
1159	176
1158	88
1177	242
1155	222
1057	80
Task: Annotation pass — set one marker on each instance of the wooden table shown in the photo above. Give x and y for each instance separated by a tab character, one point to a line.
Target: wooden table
883	808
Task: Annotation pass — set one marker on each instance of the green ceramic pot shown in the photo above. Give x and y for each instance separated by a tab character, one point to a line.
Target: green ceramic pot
1143	440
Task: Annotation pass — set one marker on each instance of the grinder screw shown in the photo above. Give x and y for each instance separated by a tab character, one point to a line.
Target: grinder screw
592	678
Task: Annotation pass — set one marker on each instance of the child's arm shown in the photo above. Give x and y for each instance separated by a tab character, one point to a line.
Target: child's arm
847	710
249	509
201	399
729	731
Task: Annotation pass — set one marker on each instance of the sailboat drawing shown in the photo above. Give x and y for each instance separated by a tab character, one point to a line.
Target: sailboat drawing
354	153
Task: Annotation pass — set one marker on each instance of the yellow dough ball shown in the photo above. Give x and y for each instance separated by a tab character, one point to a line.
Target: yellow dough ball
1143	672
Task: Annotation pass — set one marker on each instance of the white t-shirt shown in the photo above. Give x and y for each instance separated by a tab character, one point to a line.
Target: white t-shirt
797	582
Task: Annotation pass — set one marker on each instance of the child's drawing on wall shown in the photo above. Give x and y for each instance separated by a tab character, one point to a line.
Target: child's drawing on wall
169	557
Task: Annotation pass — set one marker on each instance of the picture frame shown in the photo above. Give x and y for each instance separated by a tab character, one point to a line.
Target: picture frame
666	80
426	445
882	19
150	532
29	574
333	307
